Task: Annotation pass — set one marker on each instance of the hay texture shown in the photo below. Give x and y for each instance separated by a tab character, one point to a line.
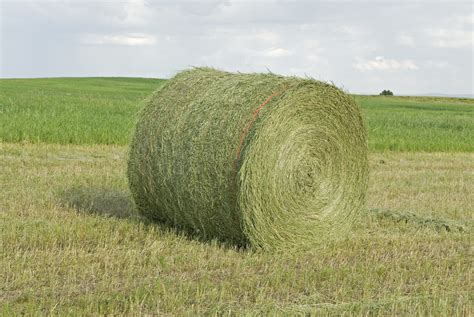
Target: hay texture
255	159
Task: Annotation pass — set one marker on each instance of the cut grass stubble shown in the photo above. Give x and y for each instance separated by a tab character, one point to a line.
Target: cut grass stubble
67	247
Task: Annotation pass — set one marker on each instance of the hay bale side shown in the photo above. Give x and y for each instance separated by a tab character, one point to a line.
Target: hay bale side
253	159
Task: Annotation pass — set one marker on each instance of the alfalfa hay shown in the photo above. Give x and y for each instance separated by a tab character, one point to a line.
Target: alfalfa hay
255	159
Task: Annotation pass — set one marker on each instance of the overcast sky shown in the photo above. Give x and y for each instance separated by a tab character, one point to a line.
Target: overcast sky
408	47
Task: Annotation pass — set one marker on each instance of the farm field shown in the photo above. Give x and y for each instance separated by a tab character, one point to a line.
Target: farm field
71	244
71	110
102	111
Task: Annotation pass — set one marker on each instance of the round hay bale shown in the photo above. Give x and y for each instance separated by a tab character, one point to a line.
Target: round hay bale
255	159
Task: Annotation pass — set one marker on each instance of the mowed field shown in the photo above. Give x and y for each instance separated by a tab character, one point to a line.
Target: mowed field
71	244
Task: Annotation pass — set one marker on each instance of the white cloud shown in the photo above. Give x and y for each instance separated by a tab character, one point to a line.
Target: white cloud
136	39
437	64
406	40
312	45
312	51
308	27
381	63
277	52
451	38
456	32
135	12
351	30
267	36
465	19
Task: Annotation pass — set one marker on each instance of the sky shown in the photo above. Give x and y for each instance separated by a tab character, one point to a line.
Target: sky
409	47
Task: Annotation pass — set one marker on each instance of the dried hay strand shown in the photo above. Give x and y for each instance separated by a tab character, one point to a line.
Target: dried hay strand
252	159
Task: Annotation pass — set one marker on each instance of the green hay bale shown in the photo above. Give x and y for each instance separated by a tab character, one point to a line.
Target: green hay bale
255	159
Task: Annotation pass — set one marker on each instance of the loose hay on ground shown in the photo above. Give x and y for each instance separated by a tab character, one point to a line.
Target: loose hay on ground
256	159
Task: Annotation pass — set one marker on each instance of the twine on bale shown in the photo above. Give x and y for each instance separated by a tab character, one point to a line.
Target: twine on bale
245	132
298	175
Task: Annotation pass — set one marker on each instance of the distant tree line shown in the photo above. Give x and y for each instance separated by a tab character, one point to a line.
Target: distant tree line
386	93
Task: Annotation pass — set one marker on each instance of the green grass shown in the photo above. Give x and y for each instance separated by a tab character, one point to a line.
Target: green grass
71	110
102	111
70	243
419	123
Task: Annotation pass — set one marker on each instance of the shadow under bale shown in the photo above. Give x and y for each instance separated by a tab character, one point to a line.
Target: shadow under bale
97	200
115	203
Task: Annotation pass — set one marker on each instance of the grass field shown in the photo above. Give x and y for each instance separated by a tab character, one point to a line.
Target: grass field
102	111
419	123
70	243
71	110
